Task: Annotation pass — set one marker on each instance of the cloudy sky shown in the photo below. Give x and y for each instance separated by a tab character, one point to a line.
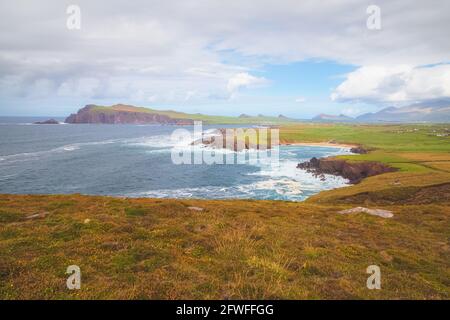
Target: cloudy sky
298	58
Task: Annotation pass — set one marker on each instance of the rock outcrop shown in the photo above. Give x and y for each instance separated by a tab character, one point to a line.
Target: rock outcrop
359	150
218	140
49	121
125	115
374	212
353	171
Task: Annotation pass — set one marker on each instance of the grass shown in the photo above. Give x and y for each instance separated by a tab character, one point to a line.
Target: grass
207	119
247	249
394	138
231	250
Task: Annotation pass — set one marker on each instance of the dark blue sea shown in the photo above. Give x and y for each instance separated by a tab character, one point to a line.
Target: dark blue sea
135	161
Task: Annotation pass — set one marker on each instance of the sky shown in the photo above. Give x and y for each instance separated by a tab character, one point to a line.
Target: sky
296	58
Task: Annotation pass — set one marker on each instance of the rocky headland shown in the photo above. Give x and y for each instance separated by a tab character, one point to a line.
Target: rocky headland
218	140
123	114
49	121
353	171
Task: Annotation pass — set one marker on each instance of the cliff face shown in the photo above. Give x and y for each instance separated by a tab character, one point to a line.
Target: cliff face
92	114
354	172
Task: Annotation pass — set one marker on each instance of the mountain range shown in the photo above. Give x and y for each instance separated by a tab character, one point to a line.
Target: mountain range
332	118
438	111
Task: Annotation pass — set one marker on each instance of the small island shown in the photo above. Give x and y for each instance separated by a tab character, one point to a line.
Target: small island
49	121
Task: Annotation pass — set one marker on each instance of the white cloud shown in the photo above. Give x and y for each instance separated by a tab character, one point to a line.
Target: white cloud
189	95
152	98
395	84
300	100
351	111
169	48
242	80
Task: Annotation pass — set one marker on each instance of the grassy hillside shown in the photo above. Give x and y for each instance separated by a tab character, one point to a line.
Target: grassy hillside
162	249
153	249
207	119
389	138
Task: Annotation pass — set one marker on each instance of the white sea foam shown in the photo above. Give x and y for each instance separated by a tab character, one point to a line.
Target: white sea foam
283	187
165	143
287	169
8	176
283	181
286	179
276	186
215	192
159	141
70	148
26	156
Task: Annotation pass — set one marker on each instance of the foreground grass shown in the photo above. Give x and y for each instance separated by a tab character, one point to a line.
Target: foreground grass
160	249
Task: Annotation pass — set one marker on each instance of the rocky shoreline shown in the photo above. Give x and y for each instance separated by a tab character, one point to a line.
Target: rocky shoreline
353	171
218	140
49	121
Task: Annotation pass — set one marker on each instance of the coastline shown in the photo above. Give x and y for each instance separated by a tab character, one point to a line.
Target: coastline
319	144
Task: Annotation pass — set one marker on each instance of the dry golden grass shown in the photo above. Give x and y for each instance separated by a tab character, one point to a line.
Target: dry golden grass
159	249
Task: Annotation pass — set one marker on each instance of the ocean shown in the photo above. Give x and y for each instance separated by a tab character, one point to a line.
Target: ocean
135	161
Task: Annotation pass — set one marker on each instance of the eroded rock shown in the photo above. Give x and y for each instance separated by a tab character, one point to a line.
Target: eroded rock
353	171
374	212
196	208
359	150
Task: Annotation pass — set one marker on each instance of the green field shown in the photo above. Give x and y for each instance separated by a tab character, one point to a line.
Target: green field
247	249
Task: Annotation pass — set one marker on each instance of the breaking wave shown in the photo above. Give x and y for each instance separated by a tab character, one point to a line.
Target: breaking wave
27	156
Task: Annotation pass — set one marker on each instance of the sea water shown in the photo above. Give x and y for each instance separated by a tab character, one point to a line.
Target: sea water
135	161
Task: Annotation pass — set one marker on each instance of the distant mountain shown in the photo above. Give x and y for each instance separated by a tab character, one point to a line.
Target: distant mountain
438	111
330	118
127	114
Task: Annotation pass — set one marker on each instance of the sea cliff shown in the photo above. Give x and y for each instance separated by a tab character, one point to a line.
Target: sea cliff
122	114
353	171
